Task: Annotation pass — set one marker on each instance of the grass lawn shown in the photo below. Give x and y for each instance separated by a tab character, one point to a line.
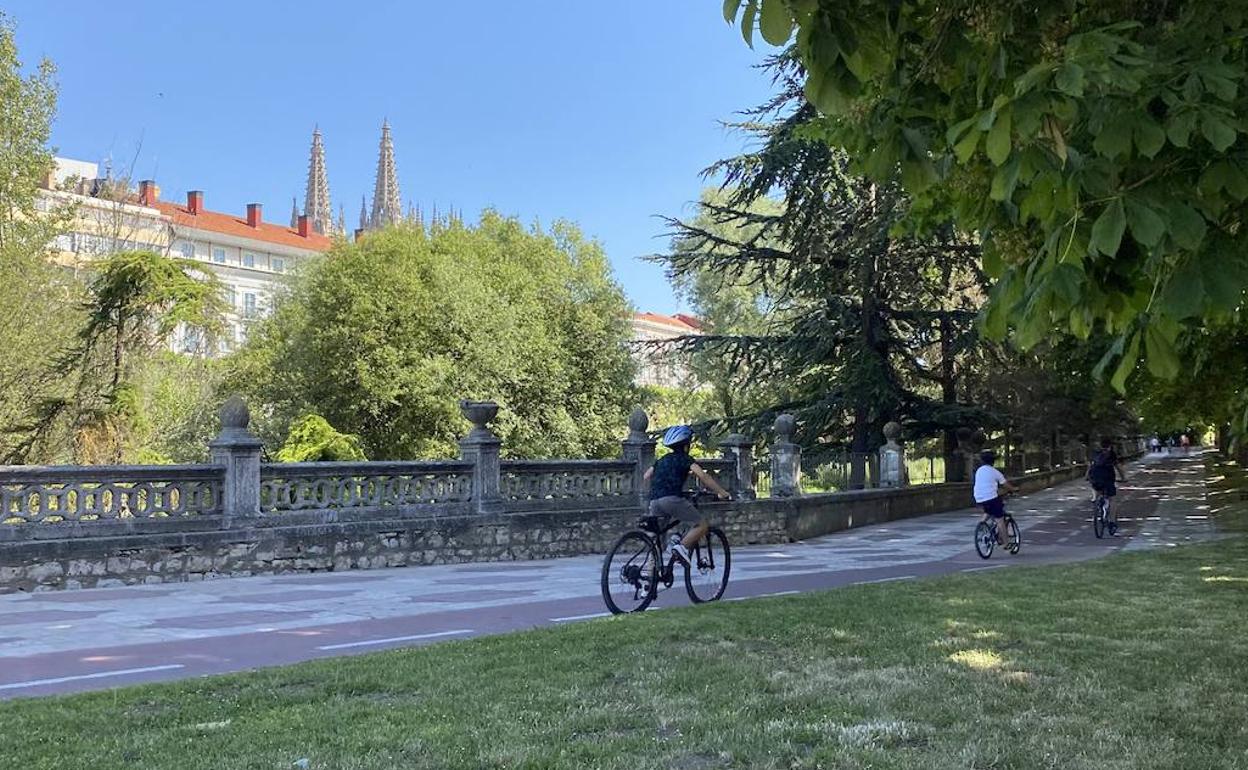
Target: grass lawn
1138	661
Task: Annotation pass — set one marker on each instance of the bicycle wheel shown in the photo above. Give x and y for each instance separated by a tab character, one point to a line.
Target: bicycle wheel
710	561
1013	537
985	539
1098	519
630	573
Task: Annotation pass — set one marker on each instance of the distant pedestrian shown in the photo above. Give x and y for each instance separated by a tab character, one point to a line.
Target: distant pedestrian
1154	444
1184	442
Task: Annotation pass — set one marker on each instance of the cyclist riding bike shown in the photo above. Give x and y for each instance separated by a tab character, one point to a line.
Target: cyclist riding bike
667	480
988	485
1101	473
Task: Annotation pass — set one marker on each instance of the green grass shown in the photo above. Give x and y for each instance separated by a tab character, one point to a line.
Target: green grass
1137	661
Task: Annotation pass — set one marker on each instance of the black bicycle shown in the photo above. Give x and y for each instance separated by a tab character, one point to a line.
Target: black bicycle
986	536
635	571
1100	517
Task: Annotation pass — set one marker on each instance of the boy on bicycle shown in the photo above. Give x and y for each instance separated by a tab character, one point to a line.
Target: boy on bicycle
1101	475
667	479
988	485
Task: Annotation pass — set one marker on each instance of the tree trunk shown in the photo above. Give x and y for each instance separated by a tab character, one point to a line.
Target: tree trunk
862	411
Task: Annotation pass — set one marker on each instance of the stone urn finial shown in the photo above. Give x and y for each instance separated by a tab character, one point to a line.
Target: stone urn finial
638	421
479	413
785	426
235	414
892	430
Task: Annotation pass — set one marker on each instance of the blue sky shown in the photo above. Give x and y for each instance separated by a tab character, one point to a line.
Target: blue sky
596	111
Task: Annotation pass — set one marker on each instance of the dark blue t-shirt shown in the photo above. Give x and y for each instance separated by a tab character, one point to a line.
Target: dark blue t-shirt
670	474
1102	470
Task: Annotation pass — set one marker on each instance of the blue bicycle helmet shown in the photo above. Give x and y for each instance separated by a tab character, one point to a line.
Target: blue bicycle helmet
677	434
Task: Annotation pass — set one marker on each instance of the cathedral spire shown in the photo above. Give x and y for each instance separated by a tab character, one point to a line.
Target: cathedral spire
316	198
363	214
294	212
342	221
387	209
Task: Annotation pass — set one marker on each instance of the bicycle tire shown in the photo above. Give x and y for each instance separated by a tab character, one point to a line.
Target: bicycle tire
1013	536
985	540
714	551
644	583
1098	519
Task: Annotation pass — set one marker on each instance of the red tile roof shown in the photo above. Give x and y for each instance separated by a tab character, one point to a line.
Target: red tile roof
217	222
679	321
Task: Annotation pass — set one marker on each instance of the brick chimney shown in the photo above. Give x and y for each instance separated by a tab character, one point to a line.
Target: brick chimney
253	215
195	201
149	192
304	225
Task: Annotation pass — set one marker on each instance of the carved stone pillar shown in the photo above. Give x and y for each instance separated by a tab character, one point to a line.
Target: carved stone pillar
482	448
740	450
786	459
638	449
239	452
892	471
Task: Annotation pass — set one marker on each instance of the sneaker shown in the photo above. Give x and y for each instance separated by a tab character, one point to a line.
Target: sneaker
681	553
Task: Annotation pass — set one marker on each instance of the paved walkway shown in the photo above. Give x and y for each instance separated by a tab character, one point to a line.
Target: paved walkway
68	641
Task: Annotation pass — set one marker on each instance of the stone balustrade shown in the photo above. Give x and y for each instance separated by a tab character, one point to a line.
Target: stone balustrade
70	527
69	494
362	485
556	482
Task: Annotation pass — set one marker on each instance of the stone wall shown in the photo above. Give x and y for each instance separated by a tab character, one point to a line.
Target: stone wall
200	548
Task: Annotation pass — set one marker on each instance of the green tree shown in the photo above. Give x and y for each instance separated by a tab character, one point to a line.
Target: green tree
38	301
728	305
385	335
1098	148
861	320
136	301
313	439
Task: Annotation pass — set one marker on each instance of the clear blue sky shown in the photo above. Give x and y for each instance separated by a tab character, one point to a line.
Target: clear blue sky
603	113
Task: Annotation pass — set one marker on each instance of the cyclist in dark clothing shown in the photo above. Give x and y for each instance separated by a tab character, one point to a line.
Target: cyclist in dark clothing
1105	467
667	485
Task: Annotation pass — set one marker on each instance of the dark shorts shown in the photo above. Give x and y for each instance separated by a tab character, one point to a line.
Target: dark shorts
994	507
677	508
1105	488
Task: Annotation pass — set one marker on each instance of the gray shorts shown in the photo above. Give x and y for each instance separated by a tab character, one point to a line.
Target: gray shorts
676	507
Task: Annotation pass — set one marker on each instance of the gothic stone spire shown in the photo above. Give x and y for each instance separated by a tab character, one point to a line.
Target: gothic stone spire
387	209
316	199
363	214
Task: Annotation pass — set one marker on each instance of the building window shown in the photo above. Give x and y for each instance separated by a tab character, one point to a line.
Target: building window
249	259
188	249
231	298
279	264
65	242
249	305
218	256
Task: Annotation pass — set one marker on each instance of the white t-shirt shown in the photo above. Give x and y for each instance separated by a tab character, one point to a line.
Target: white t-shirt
987	479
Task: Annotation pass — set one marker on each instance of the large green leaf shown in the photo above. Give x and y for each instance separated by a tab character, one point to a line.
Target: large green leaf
1219	133
1004	181
1108	229
775	22
1069	79
1149	137
1146	227
1114	139
998	143
1127	364
748	17
1163	361
730	9
1187	226
1184	294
